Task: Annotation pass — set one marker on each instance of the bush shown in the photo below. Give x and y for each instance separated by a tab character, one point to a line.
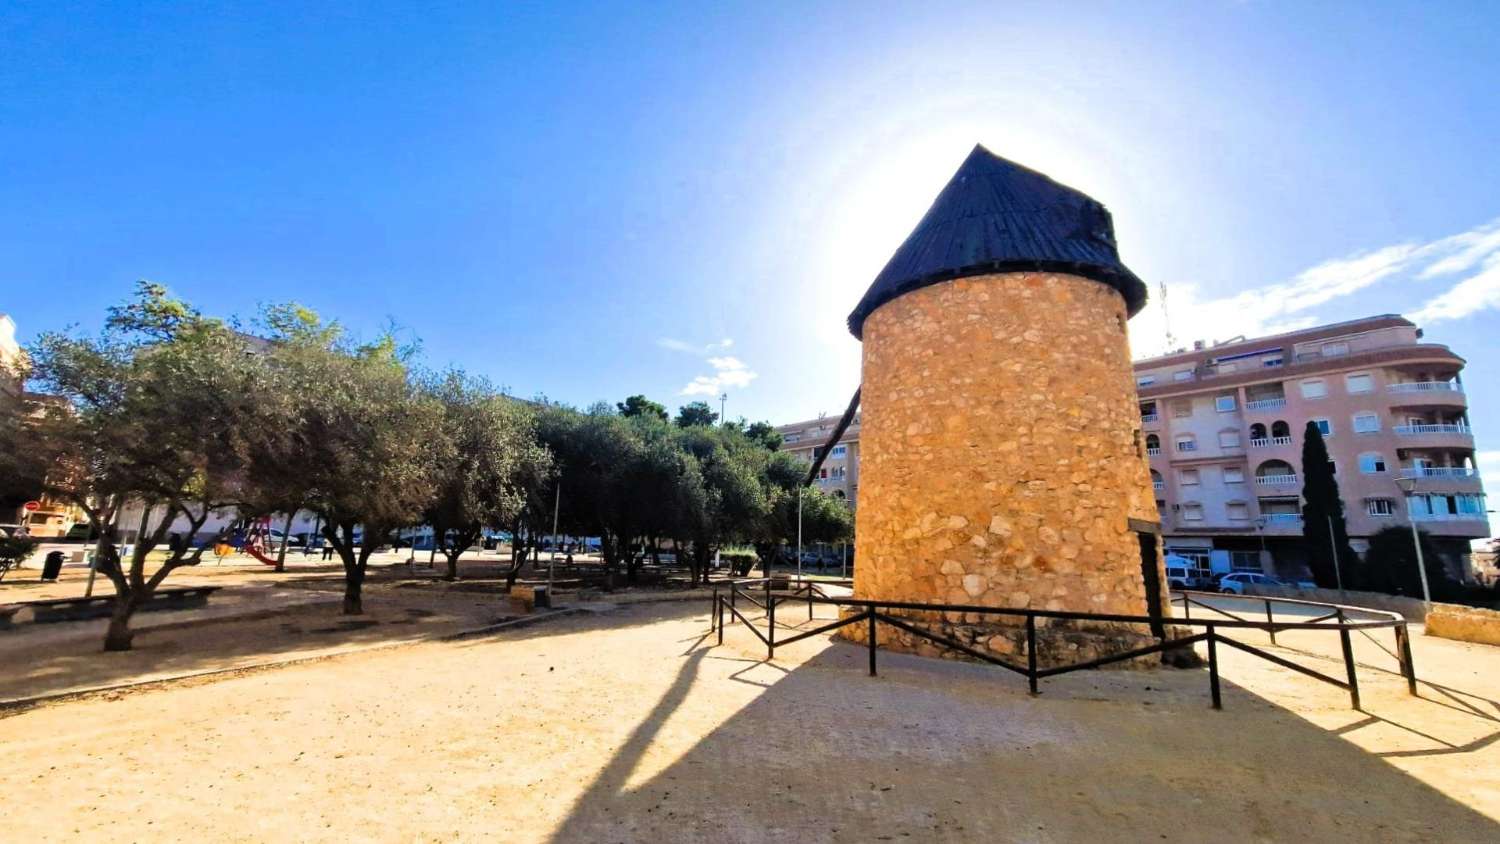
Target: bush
740	562
14	550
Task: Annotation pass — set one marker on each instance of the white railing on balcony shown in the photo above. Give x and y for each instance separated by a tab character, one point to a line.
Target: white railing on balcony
1149	417
1153	451
1283	518
1265	404
1449	517
1159	486
1445	428
1439	472
1425	387
1276	480
1267	442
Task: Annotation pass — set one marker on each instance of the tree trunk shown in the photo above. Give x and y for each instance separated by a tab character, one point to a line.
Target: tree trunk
286	539
119	635
354	579
452	564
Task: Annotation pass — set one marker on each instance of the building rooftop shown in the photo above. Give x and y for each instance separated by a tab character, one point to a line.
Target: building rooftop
998	216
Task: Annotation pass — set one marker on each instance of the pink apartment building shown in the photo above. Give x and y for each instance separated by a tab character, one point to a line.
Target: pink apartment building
1223	425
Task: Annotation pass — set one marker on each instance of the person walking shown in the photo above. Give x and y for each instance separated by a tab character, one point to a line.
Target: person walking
328	550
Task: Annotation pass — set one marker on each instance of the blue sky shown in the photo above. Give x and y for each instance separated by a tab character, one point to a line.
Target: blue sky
591	201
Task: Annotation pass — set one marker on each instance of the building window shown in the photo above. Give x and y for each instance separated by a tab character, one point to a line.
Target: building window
1271	360
837	473
1371	463
1145	380
1380	507
1192	512
1325	426
1366	423
838	451
1229	439
823	474
1187	443
1244	561
791	438
1153	444
1360	383
1237	511
1188	477
1224	404
1334	350
1234	475
1182	375
1314	388
1182	409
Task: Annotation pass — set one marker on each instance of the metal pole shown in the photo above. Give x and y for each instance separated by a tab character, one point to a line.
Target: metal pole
799	534
551	561
1416	542
1031	653
1213	668
1348	649
1333	544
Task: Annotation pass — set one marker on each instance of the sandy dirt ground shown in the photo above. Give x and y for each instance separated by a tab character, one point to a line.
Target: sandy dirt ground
633	726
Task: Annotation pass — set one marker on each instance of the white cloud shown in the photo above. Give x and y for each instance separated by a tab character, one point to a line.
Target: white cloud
1475	293
675	345
1289	305
728	372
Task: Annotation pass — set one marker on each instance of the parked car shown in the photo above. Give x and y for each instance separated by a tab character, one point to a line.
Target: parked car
1235	583
1296	582
1182	574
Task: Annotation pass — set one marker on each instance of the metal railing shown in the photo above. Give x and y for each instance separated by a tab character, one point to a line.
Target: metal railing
1425	387
1443	428
1276	480
1345	620
1267	442
1438	472
1265	404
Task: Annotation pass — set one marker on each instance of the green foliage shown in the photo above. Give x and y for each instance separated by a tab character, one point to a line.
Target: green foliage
762	432
1390	566
639	405
158	410
15	550
696	414
1321	506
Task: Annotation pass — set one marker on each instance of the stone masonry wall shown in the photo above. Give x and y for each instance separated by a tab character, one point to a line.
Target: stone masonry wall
1001	454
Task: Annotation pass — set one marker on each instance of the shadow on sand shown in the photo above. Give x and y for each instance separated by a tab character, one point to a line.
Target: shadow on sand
951	751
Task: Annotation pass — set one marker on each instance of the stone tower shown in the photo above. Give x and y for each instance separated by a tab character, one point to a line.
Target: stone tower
1001	458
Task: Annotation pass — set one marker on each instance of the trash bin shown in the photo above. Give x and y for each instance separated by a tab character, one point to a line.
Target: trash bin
52	565
543	597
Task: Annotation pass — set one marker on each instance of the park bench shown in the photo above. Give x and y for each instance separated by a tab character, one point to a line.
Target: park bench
83	609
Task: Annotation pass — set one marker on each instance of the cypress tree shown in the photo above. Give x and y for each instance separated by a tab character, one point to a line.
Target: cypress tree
1321	507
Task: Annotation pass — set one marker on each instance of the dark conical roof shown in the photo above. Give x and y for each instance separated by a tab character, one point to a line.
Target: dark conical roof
997	216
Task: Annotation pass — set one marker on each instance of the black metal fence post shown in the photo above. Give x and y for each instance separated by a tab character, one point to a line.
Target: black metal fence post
1349	665
713	611
1187	606
770	617
1270	622
1213	668
1403	647
809	603
871	632
721	618
1031	653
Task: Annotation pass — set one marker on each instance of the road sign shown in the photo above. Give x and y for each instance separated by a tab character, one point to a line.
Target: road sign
31	506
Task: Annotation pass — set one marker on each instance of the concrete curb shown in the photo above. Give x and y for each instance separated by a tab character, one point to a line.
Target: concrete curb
15	706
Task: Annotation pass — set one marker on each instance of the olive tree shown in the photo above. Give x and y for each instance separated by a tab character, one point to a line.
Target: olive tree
485	462
361	431
152	415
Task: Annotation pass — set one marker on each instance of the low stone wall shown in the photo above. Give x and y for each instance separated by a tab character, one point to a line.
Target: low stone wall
1412	609
1464	624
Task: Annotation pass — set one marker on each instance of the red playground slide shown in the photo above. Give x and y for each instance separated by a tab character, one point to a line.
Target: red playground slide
253	549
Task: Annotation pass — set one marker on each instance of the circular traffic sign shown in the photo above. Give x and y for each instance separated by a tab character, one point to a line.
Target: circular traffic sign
32	506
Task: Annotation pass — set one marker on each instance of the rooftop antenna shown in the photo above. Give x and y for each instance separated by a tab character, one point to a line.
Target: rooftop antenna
1166	319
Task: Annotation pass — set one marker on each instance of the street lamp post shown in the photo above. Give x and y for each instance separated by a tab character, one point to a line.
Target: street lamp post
799	535
1260	528
1408	485
723	397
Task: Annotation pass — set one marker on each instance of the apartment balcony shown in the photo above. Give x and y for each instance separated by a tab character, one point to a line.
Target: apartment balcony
1425	387
1276	480
1423	472
1281	524
1436	435
1457	525
1443	394
1154	452
1150	418
1265	404
1270	442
